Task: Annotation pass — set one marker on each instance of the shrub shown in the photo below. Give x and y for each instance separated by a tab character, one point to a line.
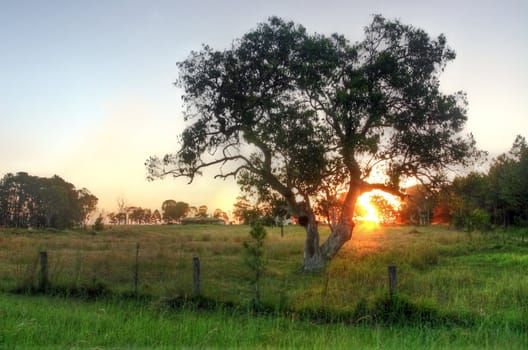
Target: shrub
99	225
253	257
480	220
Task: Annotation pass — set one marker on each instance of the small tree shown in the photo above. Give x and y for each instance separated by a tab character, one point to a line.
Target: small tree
254	257
99	225
202	211
87	204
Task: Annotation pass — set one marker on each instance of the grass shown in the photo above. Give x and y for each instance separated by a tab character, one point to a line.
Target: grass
44	322
455	290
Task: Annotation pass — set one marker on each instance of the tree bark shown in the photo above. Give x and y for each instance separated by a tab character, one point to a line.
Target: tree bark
316	257
313	260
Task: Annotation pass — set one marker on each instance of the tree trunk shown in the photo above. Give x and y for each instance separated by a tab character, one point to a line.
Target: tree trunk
313	260
341	234
317	257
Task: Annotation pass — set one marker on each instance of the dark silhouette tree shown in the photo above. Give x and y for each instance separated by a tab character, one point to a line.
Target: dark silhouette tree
27	200
202	211
292	113
156	217
173	211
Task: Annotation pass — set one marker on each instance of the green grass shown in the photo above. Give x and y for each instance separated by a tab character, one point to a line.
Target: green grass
458	290
44	322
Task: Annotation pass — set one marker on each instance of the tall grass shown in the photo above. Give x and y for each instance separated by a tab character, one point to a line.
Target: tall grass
440	272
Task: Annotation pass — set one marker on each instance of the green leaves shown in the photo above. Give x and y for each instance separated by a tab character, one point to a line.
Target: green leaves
27	200
254	256
289	112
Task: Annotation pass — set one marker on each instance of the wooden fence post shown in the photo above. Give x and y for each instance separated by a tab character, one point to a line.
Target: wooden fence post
393	280
43	281
196	275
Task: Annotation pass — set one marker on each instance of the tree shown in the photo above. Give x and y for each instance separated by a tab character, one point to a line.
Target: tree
112	218
122	207
509	185
173	211
469	198
293	113
418	205
245	211
220	214
87	203
99	224
139	215
156	217
499	197
386	210
121	218
202	211
193	212
27	200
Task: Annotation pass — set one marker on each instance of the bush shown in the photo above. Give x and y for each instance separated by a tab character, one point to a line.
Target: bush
480	220
99	225
477	219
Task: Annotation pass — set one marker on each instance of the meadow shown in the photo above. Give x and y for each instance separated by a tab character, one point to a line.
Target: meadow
132	286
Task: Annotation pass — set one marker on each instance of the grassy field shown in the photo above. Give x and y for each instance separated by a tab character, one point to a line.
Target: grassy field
468	290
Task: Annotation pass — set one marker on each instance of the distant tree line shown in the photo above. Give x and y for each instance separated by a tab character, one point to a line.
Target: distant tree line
251	208
171	212
496	198
134	215
32	201
174	212
479	200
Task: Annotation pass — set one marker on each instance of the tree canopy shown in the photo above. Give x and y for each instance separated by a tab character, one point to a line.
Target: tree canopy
27	200
173	211
310	116
496	198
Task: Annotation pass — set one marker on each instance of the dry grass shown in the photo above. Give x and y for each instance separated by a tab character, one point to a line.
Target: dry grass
435	265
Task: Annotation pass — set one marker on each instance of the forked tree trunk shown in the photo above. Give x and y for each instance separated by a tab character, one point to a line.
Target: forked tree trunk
316	257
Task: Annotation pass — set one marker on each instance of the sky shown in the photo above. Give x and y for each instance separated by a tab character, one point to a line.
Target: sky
86	87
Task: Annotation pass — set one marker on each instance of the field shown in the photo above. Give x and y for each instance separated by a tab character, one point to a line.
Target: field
132	286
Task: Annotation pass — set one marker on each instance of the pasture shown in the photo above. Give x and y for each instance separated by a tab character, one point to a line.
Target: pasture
459	290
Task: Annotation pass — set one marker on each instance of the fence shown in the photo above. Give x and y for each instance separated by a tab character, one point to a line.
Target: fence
44	282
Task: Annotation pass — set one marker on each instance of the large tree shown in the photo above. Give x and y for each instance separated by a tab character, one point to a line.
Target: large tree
294	113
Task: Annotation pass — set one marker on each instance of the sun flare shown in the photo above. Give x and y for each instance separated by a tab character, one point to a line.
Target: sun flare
377	206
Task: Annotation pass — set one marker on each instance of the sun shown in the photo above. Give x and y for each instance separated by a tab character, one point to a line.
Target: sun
365	209
377	206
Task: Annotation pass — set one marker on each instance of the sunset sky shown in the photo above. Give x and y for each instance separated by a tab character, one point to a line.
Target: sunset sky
86	86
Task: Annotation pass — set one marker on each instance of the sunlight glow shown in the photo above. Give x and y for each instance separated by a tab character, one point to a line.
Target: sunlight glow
377	206
369	212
